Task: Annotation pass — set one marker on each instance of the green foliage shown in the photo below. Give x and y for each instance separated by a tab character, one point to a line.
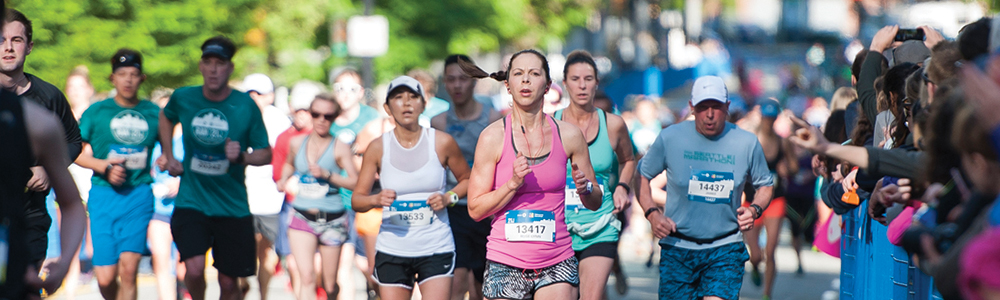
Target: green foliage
287	39
168	33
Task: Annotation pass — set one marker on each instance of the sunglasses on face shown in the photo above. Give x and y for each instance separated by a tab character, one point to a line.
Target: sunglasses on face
347	88
328	117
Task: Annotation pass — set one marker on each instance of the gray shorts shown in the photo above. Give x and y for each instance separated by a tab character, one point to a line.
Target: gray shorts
266	225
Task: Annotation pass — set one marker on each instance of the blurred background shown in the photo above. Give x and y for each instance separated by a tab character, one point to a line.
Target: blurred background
794	50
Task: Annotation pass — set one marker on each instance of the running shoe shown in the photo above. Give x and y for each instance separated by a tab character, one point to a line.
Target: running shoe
755	277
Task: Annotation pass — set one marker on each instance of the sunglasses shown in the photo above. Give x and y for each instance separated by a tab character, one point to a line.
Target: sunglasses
328	117
347	88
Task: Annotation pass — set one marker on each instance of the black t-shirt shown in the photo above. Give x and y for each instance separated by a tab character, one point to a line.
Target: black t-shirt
50	97
17	159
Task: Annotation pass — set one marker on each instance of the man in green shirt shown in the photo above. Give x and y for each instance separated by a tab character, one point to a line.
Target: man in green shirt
118	134
211	210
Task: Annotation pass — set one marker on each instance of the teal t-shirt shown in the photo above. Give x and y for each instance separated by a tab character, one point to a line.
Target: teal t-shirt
605	164
348	134
705	178
129	133
211	184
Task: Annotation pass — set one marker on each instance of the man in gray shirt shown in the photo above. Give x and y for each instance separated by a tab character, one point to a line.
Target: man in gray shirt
708	161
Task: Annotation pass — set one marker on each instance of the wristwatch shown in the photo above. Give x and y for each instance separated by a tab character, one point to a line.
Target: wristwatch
589	188
453	198
757	211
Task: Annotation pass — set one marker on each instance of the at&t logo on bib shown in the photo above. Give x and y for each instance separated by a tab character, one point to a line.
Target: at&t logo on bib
129	127
210	127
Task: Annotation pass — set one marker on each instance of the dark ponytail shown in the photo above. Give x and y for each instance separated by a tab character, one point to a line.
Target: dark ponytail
475	71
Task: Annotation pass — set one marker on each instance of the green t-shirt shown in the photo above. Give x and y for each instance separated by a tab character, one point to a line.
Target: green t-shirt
348	134
129	133
211	184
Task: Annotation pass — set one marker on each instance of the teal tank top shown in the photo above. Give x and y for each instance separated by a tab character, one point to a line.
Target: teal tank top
317	193
588	227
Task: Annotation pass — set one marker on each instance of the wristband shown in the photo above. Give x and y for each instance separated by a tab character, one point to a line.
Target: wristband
757	211
628	190
452	198
107	170
651	210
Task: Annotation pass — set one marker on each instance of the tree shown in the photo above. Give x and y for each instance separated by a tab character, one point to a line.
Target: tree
168	33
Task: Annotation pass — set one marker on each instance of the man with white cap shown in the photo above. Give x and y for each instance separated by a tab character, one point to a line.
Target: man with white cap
707	161
262	193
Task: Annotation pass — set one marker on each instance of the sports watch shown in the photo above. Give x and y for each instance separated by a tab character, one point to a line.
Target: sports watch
452	198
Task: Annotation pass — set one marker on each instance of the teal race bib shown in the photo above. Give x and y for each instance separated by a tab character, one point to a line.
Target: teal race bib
135	156
410	213
209	164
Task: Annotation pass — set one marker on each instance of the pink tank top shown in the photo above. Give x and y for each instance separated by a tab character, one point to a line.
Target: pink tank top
542	194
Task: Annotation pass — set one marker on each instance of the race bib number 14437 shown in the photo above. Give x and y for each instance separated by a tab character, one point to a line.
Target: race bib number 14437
711	186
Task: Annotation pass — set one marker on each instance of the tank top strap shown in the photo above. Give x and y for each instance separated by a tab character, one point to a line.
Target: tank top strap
556	139
602	129
429	137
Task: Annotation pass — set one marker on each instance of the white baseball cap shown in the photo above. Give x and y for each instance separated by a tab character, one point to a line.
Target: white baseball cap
258	82
405	81
709	88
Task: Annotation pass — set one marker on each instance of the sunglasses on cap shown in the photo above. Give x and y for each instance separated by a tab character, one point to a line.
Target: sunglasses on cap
328	117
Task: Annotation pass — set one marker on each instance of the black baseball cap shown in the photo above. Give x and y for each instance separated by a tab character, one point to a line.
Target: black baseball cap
218	46
126	58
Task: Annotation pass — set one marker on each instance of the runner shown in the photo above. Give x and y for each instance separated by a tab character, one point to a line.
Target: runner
415	244
211	209
168	270
262	194
595	233
464	121
708	161
118	134
530	252
301	125
39	140
17	32
316	161
349	92
781	162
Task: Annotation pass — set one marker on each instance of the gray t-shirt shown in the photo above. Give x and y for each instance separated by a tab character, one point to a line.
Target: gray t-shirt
705	178
883	120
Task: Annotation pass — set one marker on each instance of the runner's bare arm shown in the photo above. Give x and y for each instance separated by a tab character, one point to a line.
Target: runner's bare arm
579	155
361	200
454	161
100	166
345	160
626	160
49	148
484	201
288	167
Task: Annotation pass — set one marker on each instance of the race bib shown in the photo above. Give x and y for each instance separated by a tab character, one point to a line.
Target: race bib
710	186
209	164
136	157
410	213
4	253
573	201
530	226
310	187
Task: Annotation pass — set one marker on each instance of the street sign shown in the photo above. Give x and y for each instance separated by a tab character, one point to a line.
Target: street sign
367	36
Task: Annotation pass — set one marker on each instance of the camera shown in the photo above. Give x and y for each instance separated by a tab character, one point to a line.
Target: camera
944	236
909	34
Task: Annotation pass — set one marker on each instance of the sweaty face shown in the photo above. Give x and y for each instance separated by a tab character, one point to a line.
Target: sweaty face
349	91
405	107
526	80
15	47
459	85
215	71
580	82
126	81
710	117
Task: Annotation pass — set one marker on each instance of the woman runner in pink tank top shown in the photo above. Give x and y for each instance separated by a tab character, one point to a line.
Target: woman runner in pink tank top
518	178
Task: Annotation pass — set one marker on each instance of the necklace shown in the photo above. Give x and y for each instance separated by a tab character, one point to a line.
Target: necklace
527	141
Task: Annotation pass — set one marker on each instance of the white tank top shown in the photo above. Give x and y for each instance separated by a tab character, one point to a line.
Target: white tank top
410	228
